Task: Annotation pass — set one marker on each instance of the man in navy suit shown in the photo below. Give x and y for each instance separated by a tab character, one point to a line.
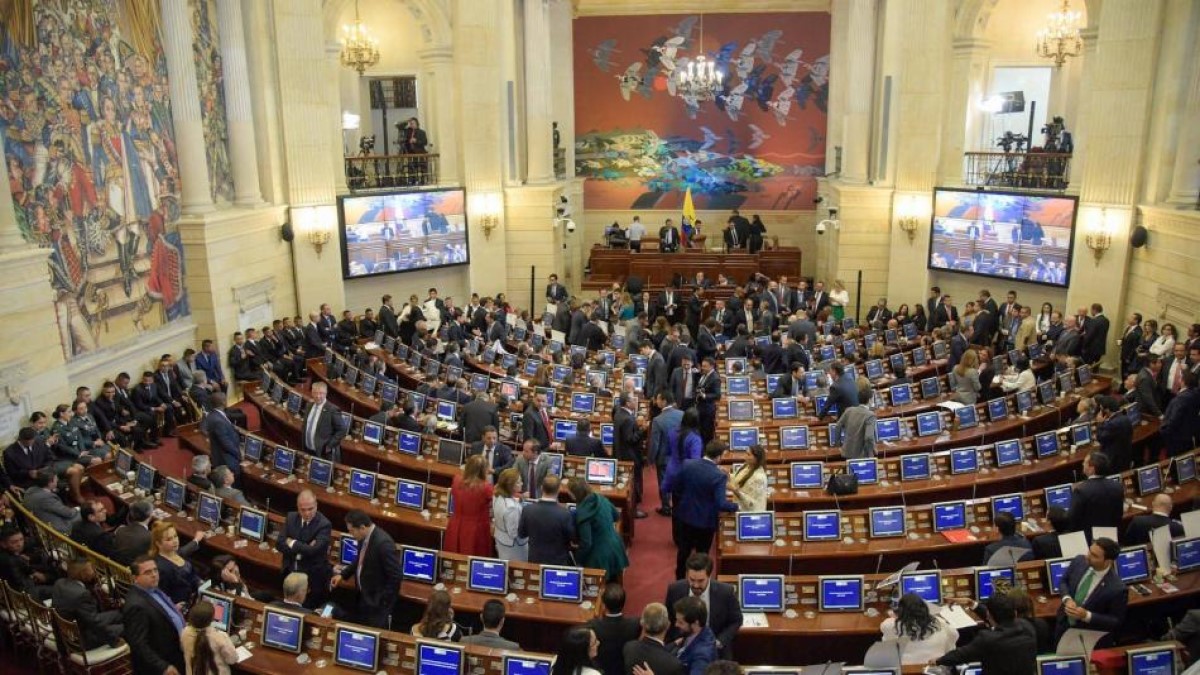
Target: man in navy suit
377	572
1097	501
699	498
497	455
324	427
582	444
223	439
958	346
304	544
549	526
1093	595
536	422
844	393
1141	526
209	361
708	393
660	428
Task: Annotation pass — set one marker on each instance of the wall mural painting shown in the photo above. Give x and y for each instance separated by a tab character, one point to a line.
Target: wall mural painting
640	141
211	80
88	143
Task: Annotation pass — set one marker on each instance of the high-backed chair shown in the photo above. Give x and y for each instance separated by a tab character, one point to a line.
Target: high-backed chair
104	660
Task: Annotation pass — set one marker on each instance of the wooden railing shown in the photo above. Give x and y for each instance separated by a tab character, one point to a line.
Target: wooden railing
374	172
1028	170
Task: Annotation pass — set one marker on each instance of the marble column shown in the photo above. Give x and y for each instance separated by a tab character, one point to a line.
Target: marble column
1185	178
195	187
238	114
860	88
962	116
333	53
438	108
539	104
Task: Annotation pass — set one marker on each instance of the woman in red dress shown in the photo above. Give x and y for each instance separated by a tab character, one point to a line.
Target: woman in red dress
469	531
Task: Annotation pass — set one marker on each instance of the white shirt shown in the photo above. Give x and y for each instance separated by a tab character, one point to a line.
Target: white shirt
636	230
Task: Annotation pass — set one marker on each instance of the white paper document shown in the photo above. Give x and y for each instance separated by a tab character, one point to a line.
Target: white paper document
754	620
1073	544
1079	642
243	653
956	616
1107	532
1191	523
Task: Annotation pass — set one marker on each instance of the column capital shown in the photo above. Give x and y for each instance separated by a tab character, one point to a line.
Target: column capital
969	45
436	54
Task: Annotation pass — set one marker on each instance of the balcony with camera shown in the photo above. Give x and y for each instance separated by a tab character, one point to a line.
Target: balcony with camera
377	172
1020	165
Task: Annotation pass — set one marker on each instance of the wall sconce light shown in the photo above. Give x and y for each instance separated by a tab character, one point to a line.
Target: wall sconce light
907	217
1099	238
489	206
314	223
318	239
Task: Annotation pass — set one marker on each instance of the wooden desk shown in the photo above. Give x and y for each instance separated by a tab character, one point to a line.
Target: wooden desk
659	268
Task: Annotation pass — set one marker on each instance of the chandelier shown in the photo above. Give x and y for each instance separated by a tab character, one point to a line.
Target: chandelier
1060	38
700	79
359	50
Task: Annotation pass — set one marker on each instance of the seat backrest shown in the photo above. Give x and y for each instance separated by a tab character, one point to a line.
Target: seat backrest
70	638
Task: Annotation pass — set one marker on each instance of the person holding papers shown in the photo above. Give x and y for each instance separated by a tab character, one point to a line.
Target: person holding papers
923	637
1093	595
1008	647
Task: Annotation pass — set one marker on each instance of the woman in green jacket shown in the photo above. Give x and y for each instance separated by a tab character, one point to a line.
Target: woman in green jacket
600	545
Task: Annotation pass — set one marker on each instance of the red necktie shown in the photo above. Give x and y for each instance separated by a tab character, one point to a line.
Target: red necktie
1178	382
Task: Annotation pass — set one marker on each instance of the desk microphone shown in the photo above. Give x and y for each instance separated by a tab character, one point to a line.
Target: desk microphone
826	666
879	564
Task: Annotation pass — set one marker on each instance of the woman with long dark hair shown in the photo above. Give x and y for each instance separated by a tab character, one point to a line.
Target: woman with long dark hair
438	621
600	546
923	637
576	653
206	650
749	484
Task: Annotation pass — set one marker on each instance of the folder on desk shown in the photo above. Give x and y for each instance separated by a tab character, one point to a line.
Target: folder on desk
754	620
957	536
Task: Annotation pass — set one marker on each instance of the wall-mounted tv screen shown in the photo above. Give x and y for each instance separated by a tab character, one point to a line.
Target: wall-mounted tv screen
384	233
1003	234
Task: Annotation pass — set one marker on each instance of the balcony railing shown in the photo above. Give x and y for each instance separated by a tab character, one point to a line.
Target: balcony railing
374	172
1026	170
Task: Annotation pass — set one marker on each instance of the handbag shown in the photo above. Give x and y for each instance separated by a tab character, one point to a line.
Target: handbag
842	483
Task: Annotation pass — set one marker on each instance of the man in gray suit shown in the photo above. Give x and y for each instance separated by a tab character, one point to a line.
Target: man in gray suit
667	421
533	469
43	502
323	426
656	371
549	526
492	618
73	599
133	539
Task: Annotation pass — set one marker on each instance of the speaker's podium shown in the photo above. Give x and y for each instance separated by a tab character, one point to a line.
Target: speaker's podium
658	269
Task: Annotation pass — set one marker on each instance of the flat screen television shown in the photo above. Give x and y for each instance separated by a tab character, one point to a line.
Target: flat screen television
761	593
356	648
1008	235
283	630
402	231
927	585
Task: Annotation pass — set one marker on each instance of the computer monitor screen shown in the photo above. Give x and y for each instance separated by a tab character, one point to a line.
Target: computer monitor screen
849	347
964	460
356	648
638	382
1058	495
738	385
208	510
145	477
556	462
997	409
835	436
819	403
450	452
293	404
806	476
362	483
283	630
510	390
348	550
901	394
939	350
124	462
1024	401
773	381
1046	444
1149	480
432	367
524	664
583	404
1061	665
563	584
559	373
252	449
761	593
930	388
1084	372
1035	351
447	410
1133	564
920	357
740	410
1186	552
601	471
793	438
896	361
1012	503
1081	434
418	400
351	376
222	609
277	390
826	352
283	460
564	429
252	523
742	438
419	564
390	392
915	467
1046	392
967	417
735	364
606	434
320	472
373	433
410	494
822	525
756	526
985	579
929	424
783	408
927	585
874	369
887	521
865	470
949	516
1008	453
1066	383
439	659
840	594
887	429
174	492
367	384
487	575
1056	569
1184	467
409	442
1151	661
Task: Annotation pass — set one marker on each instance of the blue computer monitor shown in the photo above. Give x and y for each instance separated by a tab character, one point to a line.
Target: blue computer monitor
525	664
740	410
866	470
1058	495
1084	373
447	410
874	369
389	392
556	462
1158	660
348	550
1133	564
806	476
773	381
606	434
145	477
901	394
564	429
283	460
222	609
409	443
124	462
985	579
600	471
561	584
208	509
1066	383
1149	480
888	429
419	564
997	409
964	460
743	438
783	408
293	404
737	385
966	416
840	593
1062	665
174	493
356	648
927	585
1008	453
1184	468
886	521
849	347
439	658
756	526
320	472
834	434
916	467
583	404
252	449
1186	553
367	384
1046	392
372	433
418	400
252	523
559	373
1046	444
1081	434
450	452
1011	503
929	424
362	483
487	575
761	592
896	361
1024	400
410	494
949	516
283	630
531	367
822	525
1056	570
930	388
793	438
827	352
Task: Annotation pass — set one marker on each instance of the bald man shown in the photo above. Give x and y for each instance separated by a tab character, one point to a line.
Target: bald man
304	544
1141	526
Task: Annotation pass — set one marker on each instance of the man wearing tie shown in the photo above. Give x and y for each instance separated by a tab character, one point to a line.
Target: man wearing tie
629	431
152	623
324	428
223	437
668	303
731	237
555	292
305	547
1093	595
497	456
209	361
537	422
708	392
668	237
376	572
533	467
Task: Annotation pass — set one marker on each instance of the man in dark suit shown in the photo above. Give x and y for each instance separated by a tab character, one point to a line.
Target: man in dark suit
844	390
1146	387
1097	501
1007	527
324	428
304	544
146	400
879	315
668	237
932	302
1095	335
89	531
706	342
664	423
945	312
132	539
1141	526
1114	433
656	370
74	600
683	384
1068	341
613	631
1046	546
1093	595
699	497
983	328
295	594
152	623
708	394
591	335
724	611
314	342
25	457
958	346
1181	422
1006	648
549	527
1131	340
582	444
556	292
537	423
223	439
497	455
18	569
387	317
730	236
377	572
477	416
650	651
629	431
